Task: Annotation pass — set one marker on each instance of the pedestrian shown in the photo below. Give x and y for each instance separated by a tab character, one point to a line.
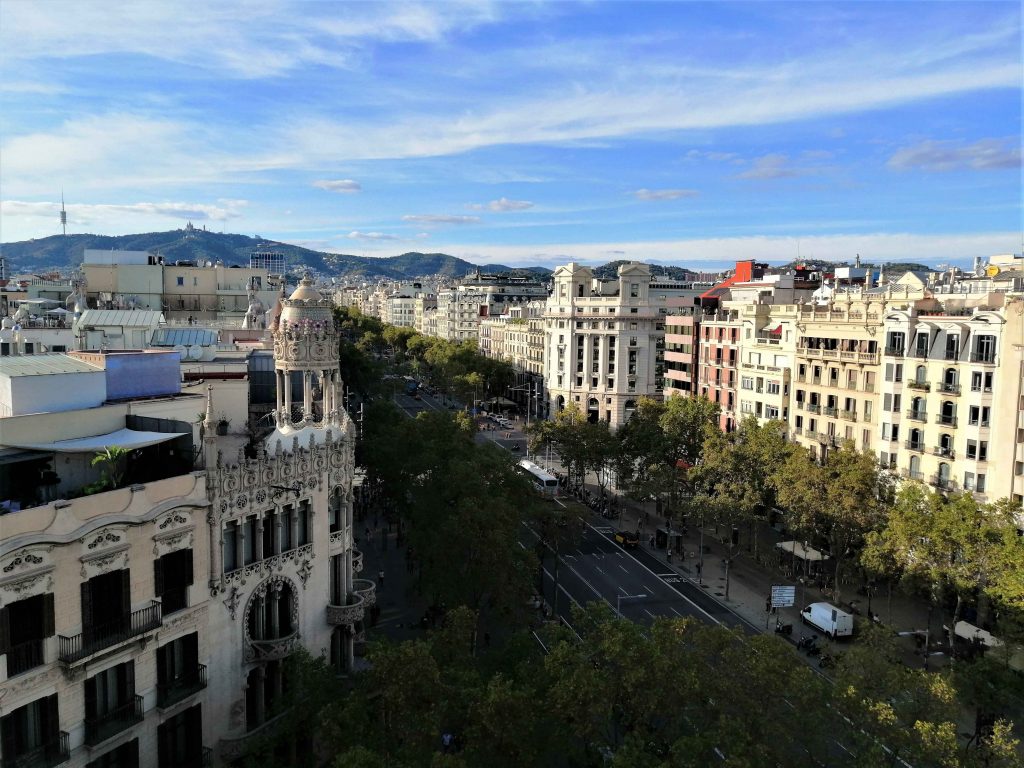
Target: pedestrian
380	577
650	541
190	320
767	605
447	741
367	534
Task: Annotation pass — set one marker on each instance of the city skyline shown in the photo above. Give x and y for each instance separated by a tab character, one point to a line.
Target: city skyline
524	133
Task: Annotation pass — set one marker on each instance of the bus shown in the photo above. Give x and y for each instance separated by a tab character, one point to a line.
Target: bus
545	483
411	385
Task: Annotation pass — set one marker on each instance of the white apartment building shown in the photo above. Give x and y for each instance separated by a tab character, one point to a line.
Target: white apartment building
604	342
461	308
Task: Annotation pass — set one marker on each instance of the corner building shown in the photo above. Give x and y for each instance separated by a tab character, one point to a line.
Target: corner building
148	624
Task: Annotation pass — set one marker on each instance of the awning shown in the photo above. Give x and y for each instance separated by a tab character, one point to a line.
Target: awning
129	439
502	401
970	632
796	548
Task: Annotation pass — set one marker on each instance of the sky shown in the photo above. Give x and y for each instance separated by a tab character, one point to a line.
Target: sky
526	133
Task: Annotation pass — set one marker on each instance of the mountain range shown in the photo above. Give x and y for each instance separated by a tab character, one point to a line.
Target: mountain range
63	253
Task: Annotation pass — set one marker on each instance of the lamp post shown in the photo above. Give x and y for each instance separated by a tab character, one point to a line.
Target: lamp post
620	598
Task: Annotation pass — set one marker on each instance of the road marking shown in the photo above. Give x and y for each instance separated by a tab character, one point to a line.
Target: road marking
677	613
649	613
598	569
664	575
673	579
619	554
624	568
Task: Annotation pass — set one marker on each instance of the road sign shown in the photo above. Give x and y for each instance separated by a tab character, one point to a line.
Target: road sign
783	596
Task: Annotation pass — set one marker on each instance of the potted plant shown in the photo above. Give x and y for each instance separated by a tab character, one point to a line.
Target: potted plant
222	425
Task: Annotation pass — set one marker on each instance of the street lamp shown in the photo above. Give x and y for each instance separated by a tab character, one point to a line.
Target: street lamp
620	598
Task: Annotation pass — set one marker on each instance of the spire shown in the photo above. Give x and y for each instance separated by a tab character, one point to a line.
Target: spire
209	424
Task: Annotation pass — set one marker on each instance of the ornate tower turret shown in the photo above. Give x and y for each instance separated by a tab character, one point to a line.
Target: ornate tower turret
306	364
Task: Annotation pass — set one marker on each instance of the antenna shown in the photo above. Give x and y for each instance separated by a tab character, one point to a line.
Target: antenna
63	215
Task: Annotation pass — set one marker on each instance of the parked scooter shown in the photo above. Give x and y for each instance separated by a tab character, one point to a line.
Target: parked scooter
808	643
783	629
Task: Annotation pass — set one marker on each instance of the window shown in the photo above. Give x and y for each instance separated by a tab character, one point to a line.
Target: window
178	670
180	739
980	485
124	756
972	449
634	290
968	481
747	382
172	576
983	450
24	625
181	281
33	729
110	702
773	388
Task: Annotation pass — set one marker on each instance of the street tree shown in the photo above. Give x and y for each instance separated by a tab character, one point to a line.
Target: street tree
950	543
840	500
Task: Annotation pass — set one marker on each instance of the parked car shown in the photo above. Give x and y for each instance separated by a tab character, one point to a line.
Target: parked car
833	621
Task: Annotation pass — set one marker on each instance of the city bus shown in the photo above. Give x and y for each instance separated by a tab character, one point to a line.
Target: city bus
545	483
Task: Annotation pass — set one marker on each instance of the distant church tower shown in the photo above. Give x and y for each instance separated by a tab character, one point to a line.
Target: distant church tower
306	364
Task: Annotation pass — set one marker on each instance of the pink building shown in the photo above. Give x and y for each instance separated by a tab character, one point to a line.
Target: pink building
682	325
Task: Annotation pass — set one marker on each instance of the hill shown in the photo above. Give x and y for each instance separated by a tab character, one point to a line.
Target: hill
65	253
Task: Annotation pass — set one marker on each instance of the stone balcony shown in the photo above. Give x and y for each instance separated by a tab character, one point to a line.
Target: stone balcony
363	595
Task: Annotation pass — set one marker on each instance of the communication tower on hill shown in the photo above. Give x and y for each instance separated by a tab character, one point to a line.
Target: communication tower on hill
63	215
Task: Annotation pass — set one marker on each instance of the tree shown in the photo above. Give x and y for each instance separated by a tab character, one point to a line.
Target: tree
735	479
841	500
950	542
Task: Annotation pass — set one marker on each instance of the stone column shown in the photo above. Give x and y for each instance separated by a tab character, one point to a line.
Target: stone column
307	393
240	553
279	388
278	514
287	395
216	548
274	595
257	545
261	679
295	526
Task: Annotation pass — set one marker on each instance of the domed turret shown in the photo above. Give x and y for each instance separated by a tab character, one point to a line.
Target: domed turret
306	364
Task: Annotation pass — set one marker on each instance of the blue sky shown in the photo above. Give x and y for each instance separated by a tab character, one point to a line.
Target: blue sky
522	132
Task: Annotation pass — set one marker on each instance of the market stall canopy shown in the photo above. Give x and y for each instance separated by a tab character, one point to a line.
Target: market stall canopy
804	553
58	311
502	401
129	439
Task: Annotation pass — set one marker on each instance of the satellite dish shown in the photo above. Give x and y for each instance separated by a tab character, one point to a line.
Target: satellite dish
195	352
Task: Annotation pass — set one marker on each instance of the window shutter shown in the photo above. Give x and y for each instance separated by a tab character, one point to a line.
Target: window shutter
52	724
5	631
158	576
48	615
86	605
186	558
191	654
194	734
90	698
126	592
162	678
129	681
163	757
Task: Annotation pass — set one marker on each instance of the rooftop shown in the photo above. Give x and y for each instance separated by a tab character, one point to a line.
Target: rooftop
45	364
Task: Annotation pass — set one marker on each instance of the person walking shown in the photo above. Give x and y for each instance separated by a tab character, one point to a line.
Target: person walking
380	577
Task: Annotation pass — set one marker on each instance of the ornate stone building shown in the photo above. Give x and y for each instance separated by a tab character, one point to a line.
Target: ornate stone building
147	612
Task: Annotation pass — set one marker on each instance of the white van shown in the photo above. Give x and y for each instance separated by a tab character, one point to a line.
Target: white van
829	619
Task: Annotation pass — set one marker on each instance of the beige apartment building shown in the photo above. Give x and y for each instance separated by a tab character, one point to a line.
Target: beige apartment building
768	338
952	387
837	360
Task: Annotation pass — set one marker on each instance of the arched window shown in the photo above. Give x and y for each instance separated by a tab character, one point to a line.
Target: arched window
630	409
560	403
949	377
943	476
921	375
915	467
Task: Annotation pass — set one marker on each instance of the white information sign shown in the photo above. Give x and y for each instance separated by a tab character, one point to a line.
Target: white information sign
783	596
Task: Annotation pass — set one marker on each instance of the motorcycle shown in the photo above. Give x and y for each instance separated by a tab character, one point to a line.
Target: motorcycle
807	643
783	629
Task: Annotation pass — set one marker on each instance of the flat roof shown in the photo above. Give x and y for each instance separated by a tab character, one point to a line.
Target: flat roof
44	364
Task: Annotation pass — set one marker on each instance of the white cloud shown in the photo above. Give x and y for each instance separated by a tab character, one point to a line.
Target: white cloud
439	218
346	186
725	251
357	235
982	155
85	214
664	194
502	205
